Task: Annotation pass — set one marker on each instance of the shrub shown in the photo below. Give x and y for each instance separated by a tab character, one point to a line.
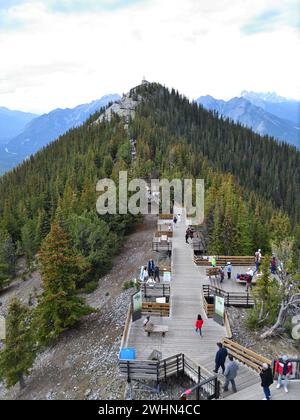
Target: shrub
127	285
252	319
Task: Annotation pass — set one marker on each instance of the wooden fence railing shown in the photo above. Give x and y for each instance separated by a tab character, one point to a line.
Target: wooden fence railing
165	216
159	233
156	309
126	328
223	260
246	356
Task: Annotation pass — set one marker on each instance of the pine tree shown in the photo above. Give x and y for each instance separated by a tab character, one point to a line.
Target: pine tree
8	259
243	243
60	307
18	354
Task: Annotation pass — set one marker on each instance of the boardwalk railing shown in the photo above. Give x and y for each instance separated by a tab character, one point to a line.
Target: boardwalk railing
158	245
159	233
242	299
165	216
207	386
126	328
222	260
227	325
246	356
155	290
156	309
296	370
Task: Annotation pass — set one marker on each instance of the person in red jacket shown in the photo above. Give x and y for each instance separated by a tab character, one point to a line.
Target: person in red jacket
284	369
199	325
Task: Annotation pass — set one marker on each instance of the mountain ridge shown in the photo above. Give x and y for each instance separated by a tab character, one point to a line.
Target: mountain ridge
47	128
243	111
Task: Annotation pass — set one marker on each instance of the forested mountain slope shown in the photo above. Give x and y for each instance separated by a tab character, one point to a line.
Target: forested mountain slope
259	164
48	204
252	184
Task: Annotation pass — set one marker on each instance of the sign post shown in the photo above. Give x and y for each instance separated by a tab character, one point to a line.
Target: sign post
219	310
137	304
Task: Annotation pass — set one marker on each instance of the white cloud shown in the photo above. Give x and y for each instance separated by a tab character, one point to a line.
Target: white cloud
59	60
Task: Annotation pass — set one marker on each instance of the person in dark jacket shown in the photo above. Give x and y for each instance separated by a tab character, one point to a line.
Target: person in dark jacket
220	360
187	235
156	274
151	268
266	376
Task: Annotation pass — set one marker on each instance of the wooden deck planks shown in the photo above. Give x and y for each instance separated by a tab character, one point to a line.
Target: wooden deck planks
186	304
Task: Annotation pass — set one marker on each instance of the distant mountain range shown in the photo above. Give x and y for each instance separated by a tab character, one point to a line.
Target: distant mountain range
266	114
43	129
13	123
23	134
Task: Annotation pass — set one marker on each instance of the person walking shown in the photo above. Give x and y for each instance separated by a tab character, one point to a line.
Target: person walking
249	278
151	267
284	369
258	257
145	274
266	377
230	374
273	265
175	221
156	274
191	234
229	270
199	325
220	358
187	235
222	274
213	262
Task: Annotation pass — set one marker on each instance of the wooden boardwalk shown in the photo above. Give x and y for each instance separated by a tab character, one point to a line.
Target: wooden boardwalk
186	286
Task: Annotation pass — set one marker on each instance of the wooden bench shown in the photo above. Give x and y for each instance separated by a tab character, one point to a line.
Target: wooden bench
158	329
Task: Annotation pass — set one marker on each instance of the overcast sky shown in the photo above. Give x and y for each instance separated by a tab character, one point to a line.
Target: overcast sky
60	53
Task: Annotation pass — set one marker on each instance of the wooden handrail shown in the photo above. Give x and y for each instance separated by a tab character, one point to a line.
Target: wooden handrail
246	356
126	328
156	309
227	325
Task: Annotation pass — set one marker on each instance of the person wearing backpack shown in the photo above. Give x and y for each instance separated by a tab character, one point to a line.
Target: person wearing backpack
199	325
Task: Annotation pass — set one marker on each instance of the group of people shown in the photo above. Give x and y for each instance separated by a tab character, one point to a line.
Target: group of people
222	270
283	368
150	273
